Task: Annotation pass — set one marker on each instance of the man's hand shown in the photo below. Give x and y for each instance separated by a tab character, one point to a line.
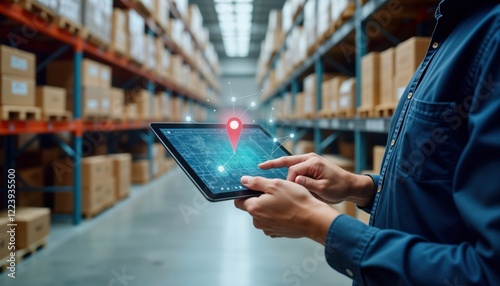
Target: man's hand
328	181
286	209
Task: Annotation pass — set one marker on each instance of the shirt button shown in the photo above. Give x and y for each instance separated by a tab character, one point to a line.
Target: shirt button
349	272
410	95
393	142
435	45
379	188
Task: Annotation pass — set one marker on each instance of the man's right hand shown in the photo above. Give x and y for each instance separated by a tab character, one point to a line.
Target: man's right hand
328	181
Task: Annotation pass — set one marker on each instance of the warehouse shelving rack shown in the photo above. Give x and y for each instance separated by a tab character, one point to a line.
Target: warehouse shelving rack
350	38
78	47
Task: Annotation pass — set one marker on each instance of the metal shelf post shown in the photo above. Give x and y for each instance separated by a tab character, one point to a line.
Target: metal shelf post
77	136
318	69
362	49
150	141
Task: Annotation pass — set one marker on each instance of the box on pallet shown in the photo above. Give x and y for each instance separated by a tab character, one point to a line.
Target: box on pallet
370	67
310	23
136	45
378	156
331	90
122	167
310	93
346	148
150	51
323	17
161	12
116	103
17	63
97	185
130	111
71	10
33	225
61	74
347	98
119	32
299	105
141	97
140	171
387	73
51	98
17	90
182	7
178	111
162	58
95	102
97	19
409	55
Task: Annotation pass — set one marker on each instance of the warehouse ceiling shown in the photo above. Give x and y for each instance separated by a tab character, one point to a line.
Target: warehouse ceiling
260	16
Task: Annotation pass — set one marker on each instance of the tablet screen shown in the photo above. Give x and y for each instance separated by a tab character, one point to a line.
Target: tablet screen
209	153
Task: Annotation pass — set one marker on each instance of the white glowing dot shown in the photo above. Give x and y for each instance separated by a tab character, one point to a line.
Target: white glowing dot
270	121
214	110
208	100
234	124
188	118
292	135
253	121
253	104
221	169
272	108
275	140
233	99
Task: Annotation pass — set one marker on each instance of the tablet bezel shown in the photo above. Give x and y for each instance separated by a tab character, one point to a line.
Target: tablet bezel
245	193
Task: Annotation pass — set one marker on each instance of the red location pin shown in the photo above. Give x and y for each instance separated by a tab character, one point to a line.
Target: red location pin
234	127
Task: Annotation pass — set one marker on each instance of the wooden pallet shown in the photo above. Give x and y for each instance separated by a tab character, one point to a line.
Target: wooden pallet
37	9
366	112
14	112
71	26
31	249
346	113
96	118
326	114
56	115
385	110
97	41
347	14
310	116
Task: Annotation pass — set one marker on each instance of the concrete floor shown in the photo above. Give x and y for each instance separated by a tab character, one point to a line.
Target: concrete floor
167	234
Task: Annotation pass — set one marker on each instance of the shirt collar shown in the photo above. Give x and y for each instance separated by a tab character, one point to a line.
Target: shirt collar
452	7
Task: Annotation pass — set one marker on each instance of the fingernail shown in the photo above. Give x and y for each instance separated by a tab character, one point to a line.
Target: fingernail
300	180
245	179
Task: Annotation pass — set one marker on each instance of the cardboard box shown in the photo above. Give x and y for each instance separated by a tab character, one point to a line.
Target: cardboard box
177	109
61	74
311	92
33	224
304	147
157	108
30	199
96	15
4	238
363	216
378	156
94	169
130	111
140	172
370	80
299	105
347	208
71	9
346	149
387	72
119	33
142	98
332	87
166	106
409	55
105	76
136	44
347	97
344	163
105	102
51	98
17	63
117	103
17	91
122	167
161	12
96	197
91	101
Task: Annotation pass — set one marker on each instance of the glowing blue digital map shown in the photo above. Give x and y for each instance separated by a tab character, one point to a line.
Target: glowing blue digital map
210	155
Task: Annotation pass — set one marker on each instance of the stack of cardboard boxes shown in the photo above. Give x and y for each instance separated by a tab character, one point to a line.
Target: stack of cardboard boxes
96	85
330	93
71	10
347	99
119	32
150	52
385	76
136	44
122	168
17	84
140	100
310	24
98	186
310	94
52	102
163	57
161	13
97	18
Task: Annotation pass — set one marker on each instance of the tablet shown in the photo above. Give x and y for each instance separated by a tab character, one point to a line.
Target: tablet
204	153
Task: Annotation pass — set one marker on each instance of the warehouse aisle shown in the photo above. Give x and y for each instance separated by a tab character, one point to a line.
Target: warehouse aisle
148	241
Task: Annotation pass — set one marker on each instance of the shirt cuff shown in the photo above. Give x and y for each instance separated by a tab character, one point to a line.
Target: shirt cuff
345	245
375	179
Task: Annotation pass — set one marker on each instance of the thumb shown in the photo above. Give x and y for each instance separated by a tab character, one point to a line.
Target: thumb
307	182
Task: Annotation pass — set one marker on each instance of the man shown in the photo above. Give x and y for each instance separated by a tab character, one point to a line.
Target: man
435	207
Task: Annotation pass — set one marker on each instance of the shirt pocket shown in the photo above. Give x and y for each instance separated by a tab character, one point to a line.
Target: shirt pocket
427	150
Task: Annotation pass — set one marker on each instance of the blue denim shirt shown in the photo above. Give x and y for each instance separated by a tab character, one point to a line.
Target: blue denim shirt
435	219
